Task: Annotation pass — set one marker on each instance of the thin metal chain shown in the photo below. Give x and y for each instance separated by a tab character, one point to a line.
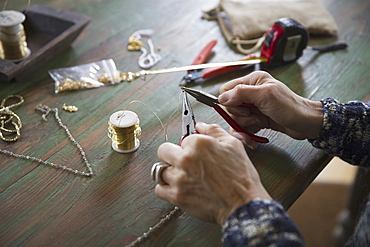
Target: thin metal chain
9	118
46	110
146	234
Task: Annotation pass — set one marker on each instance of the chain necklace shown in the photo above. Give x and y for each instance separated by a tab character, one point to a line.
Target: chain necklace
145	235
9	118
46	110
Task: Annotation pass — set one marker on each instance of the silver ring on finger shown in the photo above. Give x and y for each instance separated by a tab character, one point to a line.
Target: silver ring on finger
157	170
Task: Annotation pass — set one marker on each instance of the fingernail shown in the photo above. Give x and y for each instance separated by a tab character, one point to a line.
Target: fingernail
222	98
200	125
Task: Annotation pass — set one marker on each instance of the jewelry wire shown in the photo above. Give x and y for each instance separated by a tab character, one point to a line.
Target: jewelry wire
164	126
28	4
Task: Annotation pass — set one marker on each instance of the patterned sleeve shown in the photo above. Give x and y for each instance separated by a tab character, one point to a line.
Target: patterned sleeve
346	131
260	223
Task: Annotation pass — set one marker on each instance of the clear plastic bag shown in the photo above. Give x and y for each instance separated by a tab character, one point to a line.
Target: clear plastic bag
91	75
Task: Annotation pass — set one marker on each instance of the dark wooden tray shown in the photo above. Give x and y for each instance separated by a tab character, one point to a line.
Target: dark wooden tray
49	31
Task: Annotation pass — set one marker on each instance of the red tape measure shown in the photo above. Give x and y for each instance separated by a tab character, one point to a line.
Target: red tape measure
284	42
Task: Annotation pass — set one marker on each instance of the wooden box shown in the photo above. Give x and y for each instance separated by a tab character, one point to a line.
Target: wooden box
49	31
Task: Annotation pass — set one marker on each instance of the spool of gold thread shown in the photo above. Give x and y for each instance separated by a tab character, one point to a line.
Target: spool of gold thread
124	131
13	45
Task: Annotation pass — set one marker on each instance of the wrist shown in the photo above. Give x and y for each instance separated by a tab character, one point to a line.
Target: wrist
314	117
257	193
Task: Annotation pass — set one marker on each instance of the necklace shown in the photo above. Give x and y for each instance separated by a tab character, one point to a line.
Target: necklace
10	123
46	110
145	235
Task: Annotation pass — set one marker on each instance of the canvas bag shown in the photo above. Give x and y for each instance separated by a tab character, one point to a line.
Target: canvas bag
244	22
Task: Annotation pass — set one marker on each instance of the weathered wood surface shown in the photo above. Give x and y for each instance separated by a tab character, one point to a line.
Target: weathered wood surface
42	206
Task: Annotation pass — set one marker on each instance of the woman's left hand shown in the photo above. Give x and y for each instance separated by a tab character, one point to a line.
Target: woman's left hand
210	174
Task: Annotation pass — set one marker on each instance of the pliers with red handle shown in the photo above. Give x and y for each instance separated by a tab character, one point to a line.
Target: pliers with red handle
194	75
212	101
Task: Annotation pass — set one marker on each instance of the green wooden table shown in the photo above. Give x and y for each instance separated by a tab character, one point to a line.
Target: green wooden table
43	206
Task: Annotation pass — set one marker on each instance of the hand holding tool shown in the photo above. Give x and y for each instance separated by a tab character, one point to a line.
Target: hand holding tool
212	101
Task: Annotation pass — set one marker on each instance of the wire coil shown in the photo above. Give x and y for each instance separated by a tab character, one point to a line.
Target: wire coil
124	130
13	45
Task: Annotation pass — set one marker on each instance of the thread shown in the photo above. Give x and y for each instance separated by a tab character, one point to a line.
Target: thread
13	45
124	130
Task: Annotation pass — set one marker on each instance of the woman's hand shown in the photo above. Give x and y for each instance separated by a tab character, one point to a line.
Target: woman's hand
210	174
278	107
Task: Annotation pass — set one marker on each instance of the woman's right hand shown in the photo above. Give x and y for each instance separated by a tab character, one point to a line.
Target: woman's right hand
278	107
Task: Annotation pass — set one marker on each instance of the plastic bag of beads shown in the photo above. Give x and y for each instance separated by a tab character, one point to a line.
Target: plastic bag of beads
90	75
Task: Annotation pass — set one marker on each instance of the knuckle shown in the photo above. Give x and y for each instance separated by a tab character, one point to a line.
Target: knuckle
186	158
239	89
198	142
212	127
261	73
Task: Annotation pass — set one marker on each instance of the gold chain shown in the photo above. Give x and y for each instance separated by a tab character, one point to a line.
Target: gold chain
10	123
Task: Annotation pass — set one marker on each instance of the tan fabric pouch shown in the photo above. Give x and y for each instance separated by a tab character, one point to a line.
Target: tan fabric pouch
244	22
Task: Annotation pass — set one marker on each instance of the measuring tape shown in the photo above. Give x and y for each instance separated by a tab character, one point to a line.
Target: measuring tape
284	42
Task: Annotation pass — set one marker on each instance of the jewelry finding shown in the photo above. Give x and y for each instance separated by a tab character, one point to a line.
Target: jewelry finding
70	108
147	59
69	84
156	172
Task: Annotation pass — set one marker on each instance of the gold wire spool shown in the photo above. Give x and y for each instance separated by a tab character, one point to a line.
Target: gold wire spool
13	45
124	131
